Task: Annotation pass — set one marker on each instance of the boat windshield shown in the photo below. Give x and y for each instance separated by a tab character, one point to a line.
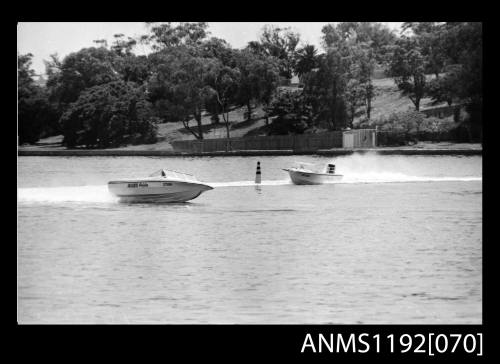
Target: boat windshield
173	174
305	166
315	167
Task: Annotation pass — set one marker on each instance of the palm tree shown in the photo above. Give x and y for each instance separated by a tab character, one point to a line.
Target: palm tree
306	60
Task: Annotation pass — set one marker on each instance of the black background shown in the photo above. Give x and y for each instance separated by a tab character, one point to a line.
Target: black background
237	343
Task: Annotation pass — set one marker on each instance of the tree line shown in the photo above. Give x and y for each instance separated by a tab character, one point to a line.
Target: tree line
107	95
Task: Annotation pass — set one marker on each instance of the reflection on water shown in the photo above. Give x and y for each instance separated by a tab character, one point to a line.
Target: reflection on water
366	252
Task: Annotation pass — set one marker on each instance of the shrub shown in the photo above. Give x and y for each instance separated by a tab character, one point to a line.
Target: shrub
404	128
412	126
387	138
288	124
408	122
436	125
292	113
363	123
37	117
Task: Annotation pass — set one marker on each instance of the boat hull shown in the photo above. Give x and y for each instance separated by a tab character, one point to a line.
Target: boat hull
311	178
156	190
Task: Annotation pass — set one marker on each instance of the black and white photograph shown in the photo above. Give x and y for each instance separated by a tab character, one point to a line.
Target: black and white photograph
311	173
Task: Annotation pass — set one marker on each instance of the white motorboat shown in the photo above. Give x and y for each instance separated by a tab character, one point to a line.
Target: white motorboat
307	174
162	186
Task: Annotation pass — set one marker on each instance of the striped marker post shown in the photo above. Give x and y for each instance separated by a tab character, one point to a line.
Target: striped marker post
257	173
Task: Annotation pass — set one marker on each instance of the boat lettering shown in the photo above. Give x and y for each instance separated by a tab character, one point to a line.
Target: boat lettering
131	185
143	184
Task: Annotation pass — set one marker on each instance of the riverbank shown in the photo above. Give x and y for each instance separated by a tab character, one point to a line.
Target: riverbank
417	149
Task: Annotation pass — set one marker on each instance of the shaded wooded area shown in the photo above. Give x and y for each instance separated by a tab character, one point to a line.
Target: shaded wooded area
107	95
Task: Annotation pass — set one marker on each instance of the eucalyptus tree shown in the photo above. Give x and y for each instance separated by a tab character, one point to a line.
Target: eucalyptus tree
366	44
217	48
36	114
464	48
430	37
325	89
168	35
177	87
259	77
222	83
278	42
407	67
377	35
361	71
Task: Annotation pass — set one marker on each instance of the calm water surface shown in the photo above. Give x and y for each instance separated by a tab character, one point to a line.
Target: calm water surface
399	241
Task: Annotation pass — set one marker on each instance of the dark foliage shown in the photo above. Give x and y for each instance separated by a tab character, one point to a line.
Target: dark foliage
108	95
108	116
37	116
325	89
292	114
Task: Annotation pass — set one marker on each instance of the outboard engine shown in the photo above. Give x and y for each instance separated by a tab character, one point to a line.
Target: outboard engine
330	169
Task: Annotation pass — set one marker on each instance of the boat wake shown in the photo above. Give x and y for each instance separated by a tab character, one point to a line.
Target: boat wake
357	178
400	178
250	183
83	194
100	194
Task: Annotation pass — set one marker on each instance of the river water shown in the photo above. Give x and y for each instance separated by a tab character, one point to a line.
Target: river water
398	241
